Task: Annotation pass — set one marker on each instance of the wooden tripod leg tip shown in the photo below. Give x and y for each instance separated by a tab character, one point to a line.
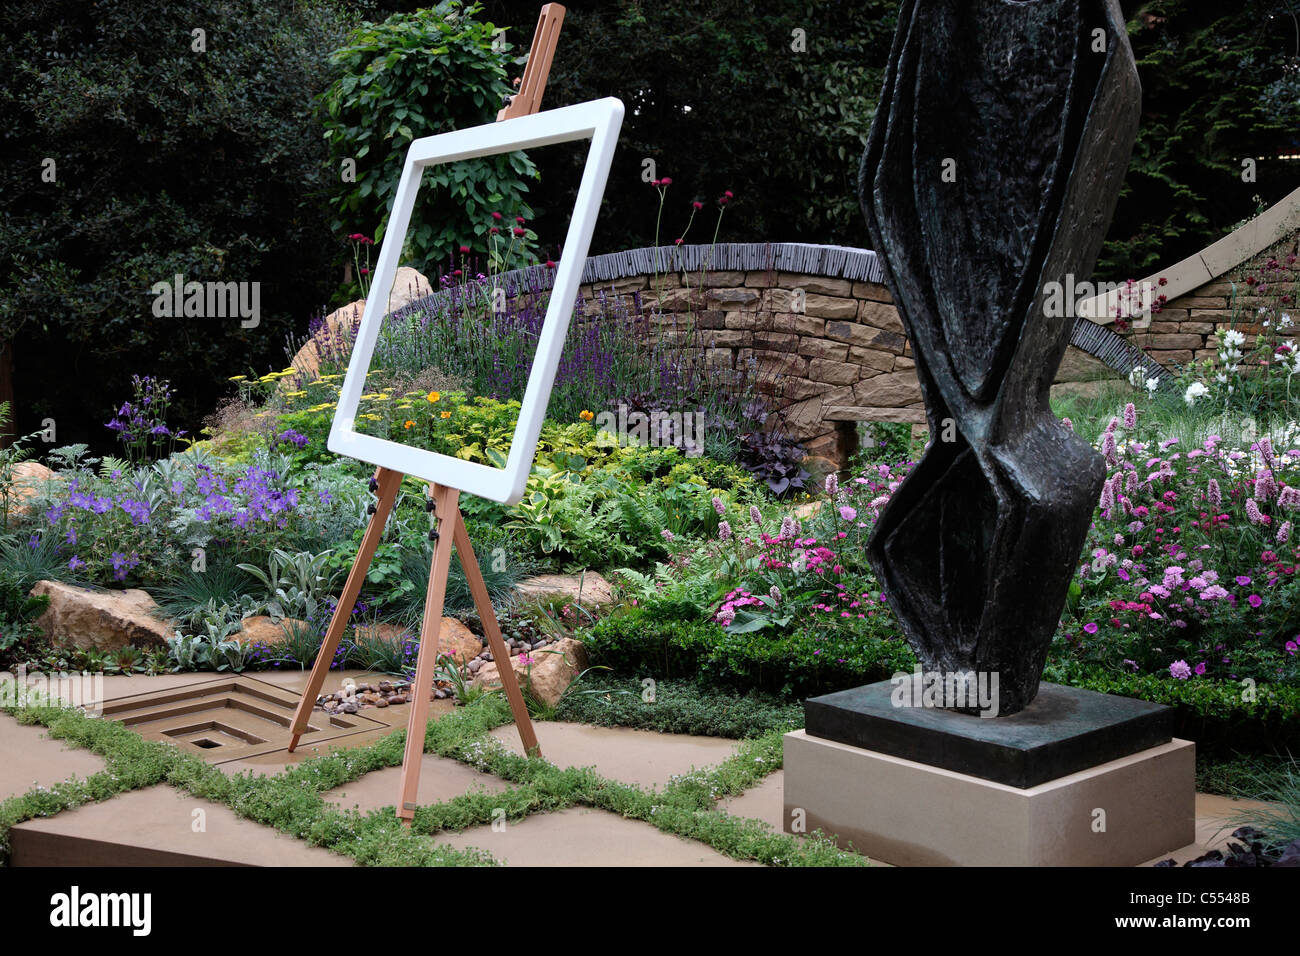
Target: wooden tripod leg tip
293	742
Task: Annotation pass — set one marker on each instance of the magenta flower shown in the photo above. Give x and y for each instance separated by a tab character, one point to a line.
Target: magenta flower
1200	669
1254	600
1091	627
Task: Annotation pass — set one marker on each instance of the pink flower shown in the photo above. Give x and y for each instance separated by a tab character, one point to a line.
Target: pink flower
1091	627
1254	600
754	514
1180	670
718	506
847	513
1130	416
1253	513
724	531
1283	532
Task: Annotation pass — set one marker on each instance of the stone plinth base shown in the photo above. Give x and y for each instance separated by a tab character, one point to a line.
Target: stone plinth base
1119	813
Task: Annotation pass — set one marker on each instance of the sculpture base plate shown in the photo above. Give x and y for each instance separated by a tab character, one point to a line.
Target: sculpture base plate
1120	813
1063	730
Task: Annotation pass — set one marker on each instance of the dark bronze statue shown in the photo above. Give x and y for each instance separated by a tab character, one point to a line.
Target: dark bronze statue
992	170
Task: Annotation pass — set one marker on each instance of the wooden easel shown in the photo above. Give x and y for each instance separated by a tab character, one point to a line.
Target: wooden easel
443	504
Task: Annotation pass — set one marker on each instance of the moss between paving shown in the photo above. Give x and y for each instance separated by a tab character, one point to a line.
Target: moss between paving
293	801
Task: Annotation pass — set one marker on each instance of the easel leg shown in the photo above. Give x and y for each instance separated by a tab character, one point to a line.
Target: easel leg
427	659
500	653
389	482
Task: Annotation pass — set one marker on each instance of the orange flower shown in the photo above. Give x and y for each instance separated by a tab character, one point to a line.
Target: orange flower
446	414
433	397
586	416
408	423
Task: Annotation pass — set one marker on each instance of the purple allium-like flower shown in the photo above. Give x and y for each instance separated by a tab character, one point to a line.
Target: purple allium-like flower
1253	514
1180	670
724	531
754	514
718	506
726	616
1130	416
775	594
1283	532
666	535
832	484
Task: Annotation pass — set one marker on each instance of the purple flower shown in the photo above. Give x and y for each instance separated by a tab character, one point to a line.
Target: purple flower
848	514
1254	600
718	506
724	531
1091	627
1180	670
1200	669
76	563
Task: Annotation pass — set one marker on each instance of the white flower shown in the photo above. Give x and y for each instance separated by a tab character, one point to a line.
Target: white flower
1195	391
1152	385
1234	337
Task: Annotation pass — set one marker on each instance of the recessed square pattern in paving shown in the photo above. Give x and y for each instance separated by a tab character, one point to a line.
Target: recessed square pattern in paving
29	757
229	718
640	757
581	836
159	826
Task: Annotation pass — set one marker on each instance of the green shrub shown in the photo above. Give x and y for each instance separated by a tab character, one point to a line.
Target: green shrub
1213	713
794	664
678	707
415	75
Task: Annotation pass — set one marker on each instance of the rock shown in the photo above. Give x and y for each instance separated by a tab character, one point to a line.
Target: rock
586	588
351	707
30	478
550	674
103	620
474	665
397	699
385	687
261	629
454	637
381	702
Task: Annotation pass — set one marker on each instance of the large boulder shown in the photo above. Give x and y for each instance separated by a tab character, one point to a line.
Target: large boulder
548	671
102	620
586	588
30	478
264	630
454	637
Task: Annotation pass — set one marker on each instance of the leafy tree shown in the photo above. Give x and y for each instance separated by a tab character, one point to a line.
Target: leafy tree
137	149
1220	83
415	75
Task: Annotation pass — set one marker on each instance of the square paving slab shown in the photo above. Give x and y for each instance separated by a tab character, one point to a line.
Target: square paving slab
581	836
440	780
159	826
640	757
30	757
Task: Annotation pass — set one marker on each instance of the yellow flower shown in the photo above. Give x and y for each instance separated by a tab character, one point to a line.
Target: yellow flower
294	394
373	418
237	378
433	397
585	415
446	414
408	423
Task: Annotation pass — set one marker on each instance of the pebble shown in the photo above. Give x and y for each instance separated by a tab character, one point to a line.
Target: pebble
381	702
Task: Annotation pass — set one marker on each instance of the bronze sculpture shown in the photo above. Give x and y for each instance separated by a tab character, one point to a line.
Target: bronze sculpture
992	169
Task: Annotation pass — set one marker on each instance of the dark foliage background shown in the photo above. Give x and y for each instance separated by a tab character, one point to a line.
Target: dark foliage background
168	161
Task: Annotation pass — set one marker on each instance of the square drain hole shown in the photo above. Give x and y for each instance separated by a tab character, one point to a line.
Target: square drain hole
228	718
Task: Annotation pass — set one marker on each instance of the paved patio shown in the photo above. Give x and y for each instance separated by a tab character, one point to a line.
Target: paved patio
162	825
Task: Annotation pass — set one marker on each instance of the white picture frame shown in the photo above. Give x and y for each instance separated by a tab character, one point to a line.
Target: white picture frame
597	120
